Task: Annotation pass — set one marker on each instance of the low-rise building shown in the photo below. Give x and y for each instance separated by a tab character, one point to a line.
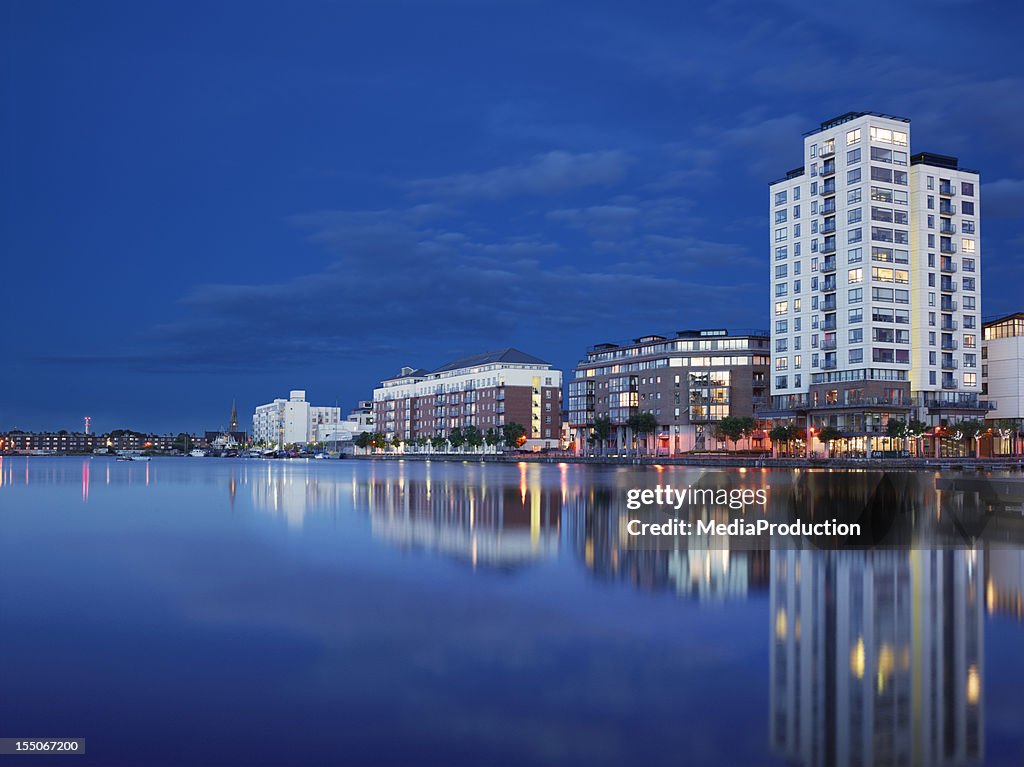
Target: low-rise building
293	421
486	391
341	435
1002	367
688	382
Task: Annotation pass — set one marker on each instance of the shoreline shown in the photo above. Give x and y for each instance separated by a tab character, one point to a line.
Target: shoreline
746	462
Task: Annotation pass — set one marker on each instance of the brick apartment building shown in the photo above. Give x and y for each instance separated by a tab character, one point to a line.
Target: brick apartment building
687	383
486	391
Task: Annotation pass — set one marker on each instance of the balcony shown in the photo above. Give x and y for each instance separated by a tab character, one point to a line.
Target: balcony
948	306
828	306
828	227
828	325
829	247
948	286
948	248
828	188
829	365
961	402
948	383
828	168
947	228
945	209
828	287
947	190
950	325
949	364
827	149
828	345
947	266
828	208
828	265
949	345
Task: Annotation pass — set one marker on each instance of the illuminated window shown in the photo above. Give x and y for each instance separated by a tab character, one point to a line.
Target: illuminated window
853	136
970	379
968	244
855	275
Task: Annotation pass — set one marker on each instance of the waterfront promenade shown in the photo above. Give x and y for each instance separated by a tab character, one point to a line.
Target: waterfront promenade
721	461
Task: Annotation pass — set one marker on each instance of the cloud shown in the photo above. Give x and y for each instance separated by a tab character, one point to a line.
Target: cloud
552	173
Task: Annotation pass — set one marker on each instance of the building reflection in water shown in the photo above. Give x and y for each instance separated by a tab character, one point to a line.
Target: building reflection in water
696	567
877	657
1004	582
465	516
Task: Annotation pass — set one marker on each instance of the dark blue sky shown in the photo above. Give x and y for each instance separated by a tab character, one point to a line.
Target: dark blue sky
208	201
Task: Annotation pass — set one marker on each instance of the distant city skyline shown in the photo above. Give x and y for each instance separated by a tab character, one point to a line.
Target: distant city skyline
204	203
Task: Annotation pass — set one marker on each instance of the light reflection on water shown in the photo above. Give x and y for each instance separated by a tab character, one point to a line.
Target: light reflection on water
854	657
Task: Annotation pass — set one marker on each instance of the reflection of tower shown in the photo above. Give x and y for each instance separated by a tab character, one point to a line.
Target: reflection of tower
876	657
88	424
233	423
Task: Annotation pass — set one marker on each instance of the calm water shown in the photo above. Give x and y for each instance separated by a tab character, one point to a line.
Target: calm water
209	611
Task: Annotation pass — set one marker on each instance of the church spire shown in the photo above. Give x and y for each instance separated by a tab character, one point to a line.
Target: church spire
234	418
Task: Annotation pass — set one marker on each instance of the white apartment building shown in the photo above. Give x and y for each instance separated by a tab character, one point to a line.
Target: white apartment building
1003	366
293	421
875	283
359	420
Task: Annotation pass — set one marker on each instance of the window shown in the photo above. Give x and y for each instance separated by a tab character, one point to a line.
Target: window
855	295
780	253
781	344
969	283
796	230
931	222
967	189
853	156
796	286
970	379
781	326
781	233
970	341
853	196
854	235
855	315
780	270
931	182
899	177
856	335
970	360
881	234
854	276
967	208
881	174
780	198
852	137
853	176
781	382
796	211
782	289
931	202
967	227
796	362
796	268
782	363
796	193
881	194
856	356
880	154
780	216
967	244
854	255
